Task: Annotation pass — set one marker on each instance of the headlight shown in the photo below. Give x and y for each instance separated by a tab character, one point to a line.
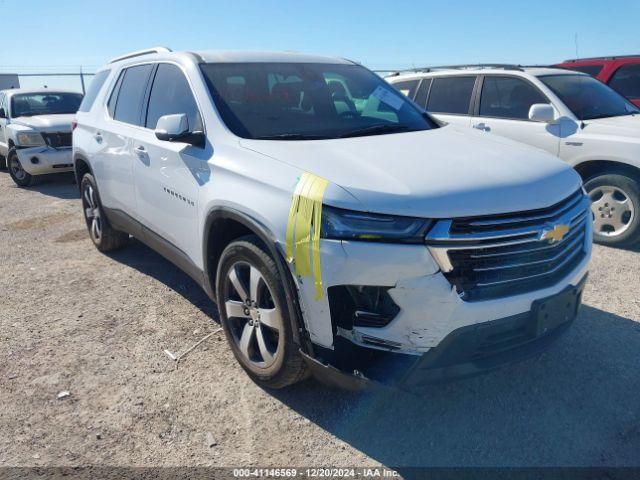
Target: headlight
30	139
341	224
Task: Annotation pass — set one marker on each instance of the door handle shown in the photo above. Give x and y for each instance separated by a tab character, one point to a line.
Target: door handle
482	126
141	152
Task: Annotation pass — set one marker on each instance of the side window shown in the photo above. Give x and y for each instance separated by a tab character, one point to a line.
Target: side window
592	70
3	103
626	81
172	94
130	95
94	89
508	97
423	92
451	95
407	88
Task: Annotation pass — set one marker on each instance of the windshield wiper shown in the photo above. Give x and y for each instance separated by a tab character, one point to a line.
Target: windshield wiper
374	130
292	136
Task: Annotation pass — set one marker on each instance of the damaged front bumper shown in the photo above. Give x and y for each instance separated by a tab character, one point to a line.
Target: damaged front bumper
434	336
466	351
45	159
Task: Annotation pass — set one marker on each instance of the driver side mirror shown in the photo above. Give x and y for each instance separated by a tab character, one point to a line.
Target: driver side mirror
175	128
542	112
3	114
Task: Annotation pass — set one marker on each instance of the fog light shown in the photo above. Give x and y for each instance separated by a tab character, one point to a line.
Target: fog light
361	306
35	160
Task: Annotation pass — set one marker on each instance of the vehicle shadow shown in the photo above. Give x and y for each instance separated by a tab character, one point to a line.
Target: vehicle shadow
59	185
144	259
575	405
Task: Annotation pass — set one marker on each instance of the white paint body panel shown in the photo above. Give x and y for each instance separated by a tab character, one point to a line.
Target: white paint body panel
441	173
616	139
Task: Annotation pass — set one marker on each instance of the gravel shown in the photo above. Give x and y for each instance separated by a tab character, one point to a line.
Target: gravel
74	320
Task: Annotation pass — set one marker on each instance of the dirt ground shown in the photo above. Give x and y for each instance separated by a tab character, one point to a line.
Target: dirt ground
72	319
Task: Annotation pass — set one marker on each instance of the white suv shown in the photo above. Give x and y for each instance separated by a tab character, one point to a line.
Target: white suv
567	113
35	132
340	229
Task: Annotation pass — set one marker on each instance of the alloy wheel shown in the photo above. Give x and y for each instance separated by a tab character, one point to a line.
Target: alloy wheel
254	319
92	212
613	210
16	168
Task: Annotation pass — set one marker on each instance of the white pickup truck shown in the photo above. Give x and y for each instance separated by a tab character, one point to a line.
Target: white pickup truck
35	132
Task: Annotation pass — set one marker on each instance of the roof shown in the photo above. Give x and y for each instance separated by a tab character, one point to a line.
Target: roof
13	91
604	58
228	56
216	56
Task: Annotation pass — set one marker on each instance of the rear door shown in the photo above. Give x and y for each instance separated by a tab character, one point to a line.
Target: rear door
503	109
626	81
449	98
114	158
168	175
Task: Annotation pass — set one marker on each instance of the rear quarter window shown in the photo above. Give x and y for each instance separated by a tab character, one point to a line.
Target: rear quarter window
92	92
407	88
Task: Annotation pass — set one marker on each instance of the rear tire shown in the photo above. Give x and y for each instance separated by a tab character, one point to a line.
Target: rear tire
255	316
103	235
3	162
615	205
19	174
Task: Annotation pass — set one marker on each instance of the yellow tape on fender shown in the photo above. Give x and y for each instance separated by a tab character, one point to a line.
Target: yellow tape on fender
303	228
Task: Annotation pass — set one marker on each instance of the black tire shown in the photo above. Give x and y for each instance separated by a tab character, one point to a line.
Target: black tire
626	189
3	162
102	234
18	174
288	366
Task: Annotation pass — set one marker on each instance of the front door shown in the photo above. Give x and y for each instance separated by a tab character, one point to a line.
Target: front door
169	175
504	110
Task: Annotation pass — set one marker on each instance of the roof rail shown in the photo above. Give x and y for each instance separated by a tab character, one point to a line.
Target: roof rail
503	66
138	53
610	57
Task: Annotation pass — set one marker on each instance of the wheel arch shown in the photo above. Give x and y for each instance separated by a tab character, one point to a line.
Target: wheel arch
224	225
80	167
590	168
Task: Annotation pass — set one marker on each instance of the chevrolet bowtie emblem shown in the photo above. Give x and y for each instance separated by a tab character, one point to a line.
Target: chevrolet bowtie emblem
554	234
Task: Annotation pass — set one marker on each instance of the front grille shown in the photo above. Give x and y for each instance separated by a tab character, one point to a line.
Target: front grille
57	139
502	255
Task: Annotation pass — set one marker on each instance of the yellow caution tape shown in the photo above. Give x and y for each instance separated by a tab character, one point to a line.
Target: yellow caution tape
303	228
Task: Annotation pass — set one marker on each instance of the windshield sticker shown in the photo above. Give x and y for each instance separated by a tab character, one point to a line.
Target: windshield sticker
303	229
388	97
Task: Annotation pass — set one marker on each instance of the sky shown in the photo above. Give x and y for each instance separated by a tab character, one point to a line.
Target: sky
62	35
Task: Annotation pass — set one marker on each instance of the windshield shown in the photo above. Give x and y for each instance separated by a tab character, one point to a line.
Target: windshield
587	97
50	103
305	101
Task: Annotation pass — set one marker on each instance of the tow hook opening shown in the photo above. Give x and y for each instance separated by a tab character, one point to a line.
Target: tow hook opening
35	160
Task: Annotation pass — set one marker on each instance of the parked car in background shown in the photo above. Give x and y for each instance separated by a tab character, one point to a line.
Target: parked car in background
337	226
621	73
568	114
35	132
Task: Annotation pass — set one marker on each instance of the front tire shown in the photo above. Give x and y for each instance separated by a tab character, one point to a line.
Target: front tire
255	316
3	162
103	235
615	203
18	174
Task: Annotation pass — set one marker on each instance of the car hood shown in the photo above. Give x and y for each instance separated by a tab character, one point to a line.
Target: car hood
446	172
625	126
57	123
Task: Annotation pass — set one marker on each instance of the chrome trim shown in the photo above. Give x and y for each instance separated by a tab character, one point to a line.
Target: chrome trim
574	213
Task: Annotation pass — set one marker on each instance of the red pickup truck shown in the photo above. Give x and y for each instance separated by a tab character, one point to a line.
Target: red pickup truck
620	73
